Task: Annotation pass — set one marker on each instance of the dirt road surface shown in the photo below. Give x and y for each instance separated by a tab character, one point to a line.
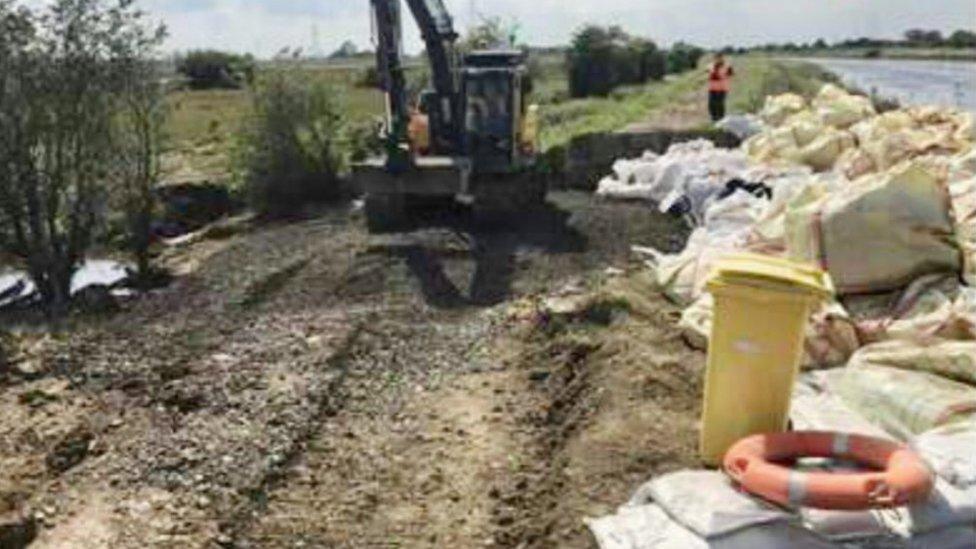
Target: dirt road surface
311	385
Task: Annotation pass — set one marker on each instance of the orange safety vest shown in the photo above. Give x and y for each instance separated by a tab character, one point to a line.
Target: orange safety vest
720	78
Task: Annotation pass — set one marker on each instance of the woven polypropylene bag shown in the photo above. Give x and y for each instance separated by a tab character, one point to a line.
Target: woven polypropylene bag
877	234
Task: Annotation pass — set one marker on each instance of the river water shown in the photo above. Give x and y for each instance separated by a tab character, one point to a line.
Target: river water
946	83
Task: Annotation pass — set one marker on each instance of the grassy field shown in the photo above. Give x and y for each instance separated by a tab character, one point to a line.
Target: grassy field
203	124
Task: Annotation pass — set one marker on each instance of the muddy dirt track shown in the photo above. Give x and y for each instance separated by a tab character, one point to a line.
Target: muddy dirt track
311	385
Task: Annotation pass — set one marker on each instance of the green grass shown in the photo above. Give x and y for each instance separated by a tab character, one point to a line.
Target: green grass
562	122
758	77
203	124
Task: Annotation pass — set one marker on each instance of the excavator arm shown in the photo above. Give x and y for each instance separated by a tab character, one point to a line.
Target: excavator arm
437	31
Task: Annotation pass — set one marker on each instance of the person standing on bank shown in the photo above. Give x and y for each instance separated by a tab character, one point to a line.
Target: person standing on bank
719	82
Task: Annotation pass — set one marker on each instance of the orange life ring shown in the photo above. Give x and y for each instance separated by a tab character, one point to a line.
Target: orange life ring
902	478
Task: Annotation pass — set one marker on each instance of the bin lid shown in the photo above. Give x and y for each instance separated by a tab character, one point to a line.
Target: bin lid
772	273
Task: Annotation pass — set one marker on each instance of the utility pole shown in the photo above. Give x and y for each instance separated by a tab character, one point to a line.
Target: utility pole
315	51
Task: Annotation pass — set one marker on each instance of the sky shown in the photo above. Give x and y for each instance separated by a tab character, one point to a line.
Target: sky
263	27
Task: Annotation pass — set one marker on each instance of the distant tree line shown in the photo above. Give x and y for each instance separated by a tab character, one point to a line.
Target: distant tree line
601	59
913	38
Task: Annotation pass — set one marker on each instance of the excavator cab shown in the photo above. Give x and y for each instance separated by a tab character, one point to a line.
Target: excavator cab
493	103
471	136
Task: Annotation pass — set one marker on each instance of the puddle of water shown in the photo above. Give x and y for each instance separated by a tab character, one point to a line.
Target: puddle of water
16	285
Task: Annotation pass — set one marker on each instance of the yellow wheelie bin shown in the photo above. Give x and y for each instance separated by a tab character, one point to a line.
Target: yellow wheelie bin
761	309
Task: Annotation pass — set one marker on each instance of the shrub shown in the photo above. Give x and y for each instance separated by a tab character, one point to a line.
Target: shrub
369	78
363	139
290	150
208	69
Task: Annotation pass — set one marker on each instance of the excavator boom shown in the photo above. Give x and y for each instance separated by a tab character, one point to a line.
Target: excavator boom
437	31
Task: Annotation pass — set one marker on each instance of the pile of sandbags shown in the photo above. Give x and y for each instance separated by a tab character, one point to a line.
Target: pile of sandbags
702	509
815	135
879	201
841	131
694	171
887	204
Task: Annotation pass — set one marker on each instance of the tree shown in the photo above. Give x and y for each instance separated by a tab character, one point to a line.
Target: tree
291	149
602	58
683	57
59	98
962	39
921	37
346	50
653	62
138	144
207	69
820	44
590	61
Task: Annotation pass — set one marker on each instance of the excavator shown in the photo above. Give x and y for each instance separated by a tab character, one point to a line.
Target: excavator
470	136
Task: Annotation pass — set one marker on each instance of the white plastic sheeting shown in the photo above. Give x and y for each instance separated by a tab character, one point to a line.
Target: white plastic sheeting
742	126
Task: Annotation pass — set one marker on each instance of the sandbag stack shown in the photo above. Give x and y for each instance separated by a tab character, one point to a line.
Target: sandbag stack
887	204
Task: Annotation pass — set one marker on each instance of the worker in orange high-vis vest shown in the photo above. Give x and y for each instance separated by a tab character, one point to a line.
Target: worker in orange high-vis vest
719	82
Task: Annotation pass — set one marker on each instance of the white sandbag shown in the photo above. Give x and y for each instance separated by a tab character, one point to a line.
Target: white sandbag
774	145
803	187
963	190
951	451
742	126
726	229
947	507
692	172
780	107
619	190
840	109
813	409
905	403
706	503
934	307
849	528
939	519
878	235
855	163
642	527
955	360
823	151
693	509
